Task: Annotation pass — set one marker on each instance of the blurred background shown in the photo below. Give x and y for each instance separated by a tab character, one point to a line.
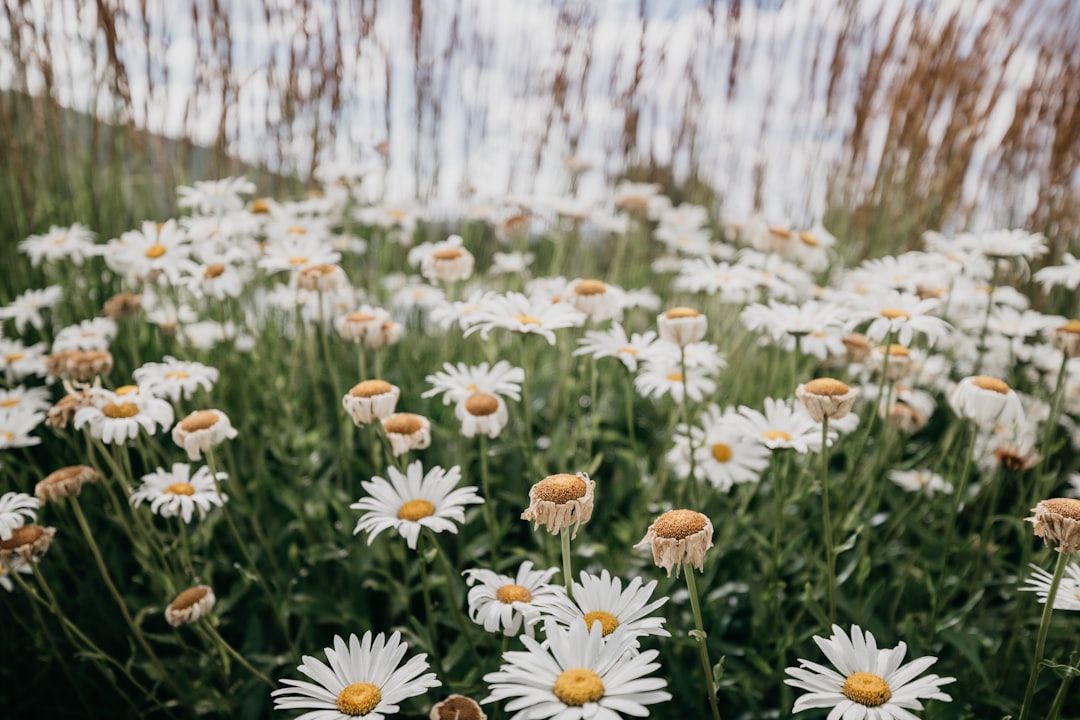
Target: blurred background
882	117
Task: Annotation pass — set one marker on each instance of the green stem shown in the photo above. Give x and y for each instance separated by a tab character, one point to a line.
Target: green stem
236	655
960	486
1044	629
691	480
703	650
830	546
464	623
139	637
489	499
1062	693
429	616
567	576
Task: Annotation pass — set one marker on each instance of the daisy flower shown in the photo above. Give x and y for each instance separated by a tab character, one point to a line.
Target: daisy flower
35	399
576	674
987	401
190	605
175	379
871	684
724	454
152	250
597	299
447	261
116	418
411	501
782	425
456	383
215	197
505	603
602	599
662	375
615	343
75	243
921	481
903	315
16	509
1066	274
786	324
26	308
94	334
202	430
176	492
524	315
16	424
295	251
363	677
18	361
1068	591
482	414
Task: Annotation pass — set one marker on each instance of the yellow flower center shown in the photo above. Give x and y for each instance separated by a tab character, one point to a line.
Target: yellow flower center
259	207
359	317
895	314
899	351
808	239
298	260
590	287
213	271
199	420
675	377
14	357
20	536
681	312
679	524
578	686
59	240
780	232
177	375
608	622
527	319
358	699
990	383
8	436
120	410
481	404
561	488
827	387
450	253
721	452
627	351
371	388
398	215
513	593
9	402
1073	326
866	689
155	251
127	390
180	488
776	435
415	510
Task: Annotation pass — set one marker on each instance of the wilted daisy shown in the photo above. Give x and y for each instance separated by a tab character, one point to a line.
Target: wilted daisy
826	398
1068	591
16	509
28	543
407	431
679	537
65	482
190	605
202	430
577	673
482	414
363	678
116	417
921	481
987	401
447	261
412	501
176	492
80	365
1057	522
175	379
561	501
602	599
871	684
504	603
681	325
370	400
598	300
457	707
364	325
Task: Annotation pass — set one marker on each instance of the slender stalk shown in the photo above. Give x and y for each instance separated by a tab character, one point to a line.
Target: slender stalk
429	616
1044	629
961	485
629	397
568	578
135	629
692	478
209	626
1063	690
464	623
830	546
489	498
700	636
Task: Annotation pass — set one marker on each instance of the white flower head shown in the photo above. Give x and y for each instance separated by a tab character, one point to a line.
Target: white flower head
178	493
506	603
414	500
202	430
16	509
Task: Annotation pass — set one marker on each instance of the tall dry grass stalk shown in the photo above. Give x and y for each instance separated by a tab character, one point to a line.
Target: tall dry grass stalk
913	116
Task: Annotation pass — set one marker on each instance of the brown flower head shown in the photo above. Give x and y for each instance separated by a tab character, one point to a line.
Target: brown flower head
560	501
678	537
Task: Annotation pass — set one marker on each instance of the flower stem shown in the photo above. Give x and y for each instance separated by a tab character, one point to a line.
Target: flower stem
961	486
830	546
236	655
1044	629
703	650
567	577
489	499
692	477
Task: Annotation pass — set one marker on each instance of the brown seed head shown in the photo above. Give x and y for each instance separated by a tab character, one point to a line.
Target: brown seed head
679	524
481	404
189	597
213	271
403	424
371	388
681	312
826	386
450	253
20	536
990	383
1066	507
560	488
590	287
199	420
